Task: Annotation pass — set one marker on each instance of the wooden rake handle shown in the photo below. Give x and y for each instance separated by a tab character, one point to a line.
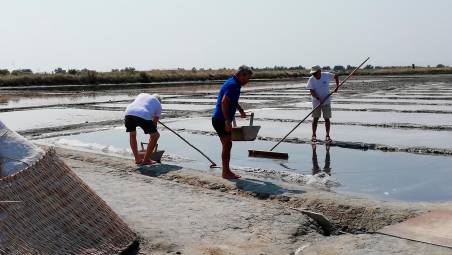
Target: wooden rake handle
213	164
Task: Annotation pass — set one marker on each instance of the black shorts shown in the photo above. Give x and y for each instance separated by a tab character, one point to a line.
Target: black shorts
220	127
132	122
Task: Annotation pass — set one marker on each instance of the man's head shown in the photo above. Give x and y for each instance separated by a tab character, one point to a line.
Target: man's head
316	71
244	74
158	97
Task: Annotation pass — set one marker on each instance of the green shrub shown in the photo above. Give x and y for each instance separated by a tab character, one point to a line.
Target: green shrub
4	71
338	68
72	71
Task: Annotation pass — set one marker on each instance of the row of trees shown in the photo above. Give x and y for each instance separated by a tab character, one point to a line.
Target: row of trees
16	72
336	68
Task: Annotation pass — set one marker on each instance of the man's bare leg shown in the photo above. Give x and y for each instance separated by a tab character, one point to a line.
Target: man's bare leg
134	147
226	143
153	138
315	121
327	127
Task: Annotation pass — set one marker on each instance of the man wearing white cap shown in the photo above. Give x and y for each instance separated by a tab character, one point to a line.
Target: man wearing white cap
319	86
143	112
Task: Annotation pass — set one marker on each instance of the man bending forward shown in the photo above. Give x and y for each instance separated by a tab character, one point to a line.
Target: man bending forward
143	112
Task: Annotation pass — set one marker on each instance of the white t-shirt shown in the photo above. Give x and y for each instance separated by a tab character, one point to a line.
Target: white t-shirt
145	106
321	87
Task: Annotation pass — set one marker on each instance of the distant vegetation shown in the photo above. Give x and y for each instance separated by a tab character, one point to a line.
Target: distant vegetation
59	76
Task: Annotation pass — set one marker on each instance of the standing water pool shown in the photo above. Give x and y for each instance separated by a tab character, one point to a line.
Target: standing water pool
383	175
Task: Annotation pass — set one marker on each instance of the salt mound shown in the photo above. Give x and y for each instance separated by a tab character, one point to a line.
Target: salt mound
16	152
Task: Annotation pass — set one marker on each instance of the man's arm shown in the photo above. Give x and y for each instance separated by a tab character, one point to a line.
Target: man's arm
225	102
310	86
336	79
313	94
242	112
157	115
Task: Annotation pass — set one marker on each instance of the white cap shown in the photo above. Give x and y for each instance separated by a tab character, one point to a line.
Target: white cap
315	69
158	97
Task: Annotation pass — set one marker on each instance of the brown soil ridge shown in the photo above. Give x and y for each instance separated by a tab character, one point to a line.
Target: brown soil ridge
347	213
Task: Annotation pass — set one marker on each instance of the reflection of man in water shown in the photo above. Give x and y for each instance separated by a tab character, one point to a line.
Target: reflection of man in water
315	163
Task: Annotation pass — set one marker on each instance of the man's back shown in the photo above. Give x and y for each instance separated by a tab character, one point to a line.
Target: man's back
145	106
231	89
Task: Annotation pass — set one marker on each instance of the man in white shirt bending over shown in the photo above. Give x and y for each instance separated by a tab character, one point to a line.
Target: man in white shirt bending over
143	112
319	86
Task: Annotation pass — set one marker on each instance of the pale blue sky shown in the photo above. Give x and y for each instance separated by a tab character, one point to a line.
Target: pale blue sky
148	34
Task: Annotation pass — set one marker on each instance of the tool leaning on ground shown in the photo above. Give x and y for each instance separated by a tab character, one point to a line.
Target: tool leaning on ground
281	155
213	164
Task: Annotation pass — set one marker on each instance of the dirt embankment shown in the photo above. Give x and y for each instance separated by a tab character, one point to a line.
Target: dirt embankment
92	80
182	211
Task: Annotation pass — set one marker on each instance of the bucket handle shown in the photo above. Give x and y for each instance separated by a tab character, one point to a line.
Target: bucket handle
142	146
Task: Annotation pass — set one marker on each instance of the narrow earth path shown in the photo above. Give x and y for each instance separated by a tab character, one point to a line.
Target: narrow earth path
181	211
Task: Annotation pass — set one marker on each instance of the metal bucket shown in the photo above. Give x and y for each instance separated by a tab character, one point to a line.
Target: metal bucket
245	133
156	155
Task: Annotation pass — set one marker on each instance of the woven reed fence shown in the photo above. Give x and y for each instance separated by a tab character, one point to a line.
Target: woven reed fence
47	209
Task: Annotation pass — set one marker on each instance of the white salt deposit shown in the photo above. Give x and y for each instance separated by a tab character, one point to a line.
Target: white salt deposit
16	152
108	149
320	180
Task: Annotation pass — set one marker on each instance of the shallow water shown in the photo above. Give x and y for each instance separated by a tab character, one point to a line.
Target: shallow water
363	117
113	105
185	107
391	175
416	94
276	96
373	135
278	93
400	176
212	100
193	100
59	100
270	85
353	106
416	107
404	96
420	90
53	117
392	101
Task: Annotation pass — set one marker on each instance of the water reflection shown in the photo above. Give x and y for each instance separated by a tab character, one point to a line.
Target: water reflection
315	162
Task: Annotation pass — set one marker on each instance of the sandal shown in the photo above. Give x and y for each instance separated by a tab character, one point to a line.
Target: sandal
328	139
314	139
